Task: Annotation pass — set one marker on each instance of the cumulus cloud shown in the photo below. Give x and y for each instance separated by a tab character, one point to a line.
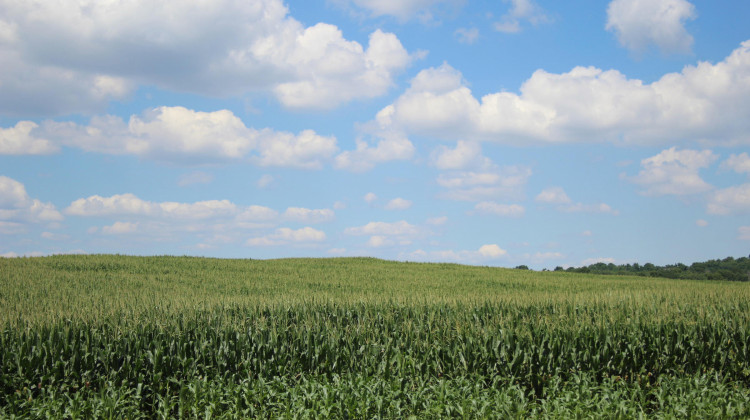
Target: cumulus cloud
521	10
674	172
558	196
17	208
401	228
553	195
129	204
737	163
264	181
706	103
641	23
365	157
19	140
503	210
385	233
732	200
485	253
181	135
304	215
370	197
398	204
467	154
120	228
506	182
287	236
467	35
67	56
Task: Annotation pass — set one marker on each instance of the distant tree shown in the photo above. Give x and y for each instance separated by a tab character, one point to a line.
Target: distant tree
522	267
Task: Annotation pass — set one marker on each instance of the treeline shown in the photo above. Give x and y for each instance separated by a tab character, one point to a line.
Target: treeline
735	269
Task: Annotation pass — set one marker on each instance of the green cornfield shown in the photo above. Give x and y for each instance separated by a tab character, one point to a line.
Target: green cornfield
104	336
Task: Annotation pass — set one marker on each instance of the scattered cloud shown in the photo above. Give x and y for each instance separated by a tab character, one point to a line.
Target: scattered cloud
705	103
738	163
370	197
384	234
553	195
731	200
639	24
485	253
466	155
287	236
303	215
521	10
398	204
589	208
19	140
744	233
18	209
492	251
112	47
390	147
265	181
504	183
467	35
119	228
674	172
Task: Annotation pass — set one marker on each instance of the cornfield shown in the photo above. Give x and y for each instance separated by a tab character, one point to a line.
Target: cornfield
176	337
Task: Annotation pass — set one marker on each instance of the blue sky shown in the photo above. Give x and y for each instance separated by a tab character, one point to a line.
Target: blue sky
501	133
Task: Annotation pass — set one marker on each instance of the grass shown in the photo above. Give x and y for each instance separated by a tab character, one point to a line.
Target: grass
146	337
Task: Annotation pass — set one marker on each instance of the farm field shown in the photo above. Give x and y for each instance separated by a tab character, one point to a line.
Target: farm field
104	336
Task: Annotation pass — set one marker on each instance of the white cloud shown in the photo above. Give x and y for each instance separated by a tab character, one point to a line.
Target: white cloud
674	172
19	140
507	182
504	210
378	241
287	236
521	10
194	178
492	251
467	154
370	197
744	233
365	157
640	23
265	181
706	103
17	208
467	35
732	200
701	223
69	57
129	204
401	228
589	208
484	253
553	195
738	163
119	228
306	150
398	204
303	215
178	134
